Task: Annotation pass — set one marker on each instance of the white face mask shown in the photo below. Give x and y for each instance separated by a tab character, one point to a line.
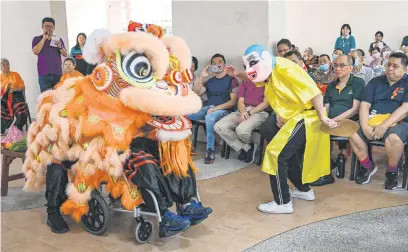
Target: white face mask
386	54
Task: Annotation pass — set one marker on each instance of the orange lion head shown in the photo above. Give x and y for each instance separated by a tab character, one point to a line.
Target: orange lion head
144	72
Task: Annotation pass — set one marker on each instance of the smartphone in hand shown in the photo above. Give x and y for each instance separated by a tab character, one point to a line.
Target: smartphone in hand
215	69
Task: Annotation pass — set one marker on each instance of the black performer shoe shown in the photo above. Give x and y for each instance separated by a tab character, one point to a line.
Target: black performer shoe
172	224
56	223
325	180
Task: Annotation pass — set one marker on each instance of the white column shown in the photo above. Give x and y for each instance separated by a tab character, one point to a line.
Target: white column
276	23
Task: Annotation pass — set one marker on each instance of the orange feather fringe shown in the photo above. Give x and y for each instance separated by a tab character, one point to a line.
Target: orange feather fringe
127	201
175	157
111	107
76	211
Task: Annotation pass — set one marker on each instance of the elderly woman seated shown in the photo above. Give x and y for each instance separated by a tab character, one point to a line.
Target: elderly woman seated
69	71
13	105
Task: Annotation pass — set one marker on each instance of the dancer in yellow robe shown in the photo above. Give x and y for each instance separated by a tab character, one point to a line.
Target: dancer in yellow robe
298	105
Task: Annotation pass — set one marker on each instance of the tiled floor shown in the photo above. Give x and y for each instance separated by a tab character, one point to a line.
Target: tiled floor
234	225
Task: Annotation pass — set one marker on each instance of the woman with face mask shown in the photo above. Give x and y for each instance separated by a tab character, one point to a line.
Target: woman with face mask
376	62
385	53
336	53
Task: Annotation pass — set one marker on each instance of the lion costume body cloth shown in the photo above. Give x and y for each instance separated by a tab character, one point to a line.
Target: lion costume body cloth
138	90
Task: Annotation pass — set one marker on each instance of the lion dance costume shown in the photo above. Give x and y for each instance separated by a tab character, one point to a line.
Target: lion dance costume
123	126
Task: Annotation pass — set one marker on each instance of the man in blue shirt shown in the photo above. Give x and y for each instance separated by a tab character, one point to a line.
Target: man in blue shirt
385	96
222	97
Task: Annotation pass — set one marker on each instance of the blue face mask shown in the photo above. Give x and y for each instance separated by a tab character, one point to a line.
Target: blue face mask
334	56
356	62
324	67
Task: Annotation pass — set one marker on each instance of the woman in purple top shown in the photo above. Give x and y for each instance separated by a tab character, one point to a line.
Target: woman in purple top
49	49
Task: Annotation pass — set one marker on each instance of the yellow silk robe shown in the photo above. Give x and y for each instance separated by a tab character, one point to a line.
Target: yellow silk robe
289	91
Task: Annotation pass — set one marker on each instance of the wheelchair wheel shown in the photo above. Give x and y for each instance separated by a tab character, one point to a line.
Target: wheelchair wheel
96	221
143	231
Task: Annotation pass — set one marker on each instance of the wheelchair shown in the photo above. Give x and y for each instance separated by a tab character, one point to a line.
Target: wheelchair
96	221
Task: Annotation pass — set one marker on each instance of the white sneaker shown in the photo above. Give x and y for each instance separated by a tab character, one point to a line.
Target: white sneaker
272	207
295	193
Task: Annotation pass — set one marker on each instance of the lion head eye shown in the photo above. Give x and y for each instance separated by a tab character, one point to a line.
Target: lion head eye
137	67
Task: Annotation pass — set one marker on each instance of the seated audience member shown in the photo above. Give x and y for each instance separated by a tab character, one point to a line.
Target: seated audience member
236	128
324	74
336	53
343	95
342	98
376	63
222	98
297	58
13	104
385	54
384	96
378	41
69	71
310	59
202	93
283	46
360	70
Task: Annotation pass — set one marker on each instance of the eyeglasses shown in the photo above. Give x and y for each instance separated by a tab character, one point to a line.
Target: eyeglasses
339	66
395	66
48	26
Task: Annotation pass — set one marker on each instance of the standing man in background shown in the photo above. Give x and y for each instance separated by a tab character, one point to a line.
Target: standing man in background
49	49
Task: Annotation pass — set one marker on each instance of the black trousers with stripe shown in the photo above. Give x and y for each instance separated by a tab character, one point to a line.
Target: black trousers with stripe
290	160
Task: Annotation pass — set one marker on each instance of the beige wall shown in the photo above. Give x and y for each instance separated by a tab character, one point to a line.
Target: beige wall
220	27
317	23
